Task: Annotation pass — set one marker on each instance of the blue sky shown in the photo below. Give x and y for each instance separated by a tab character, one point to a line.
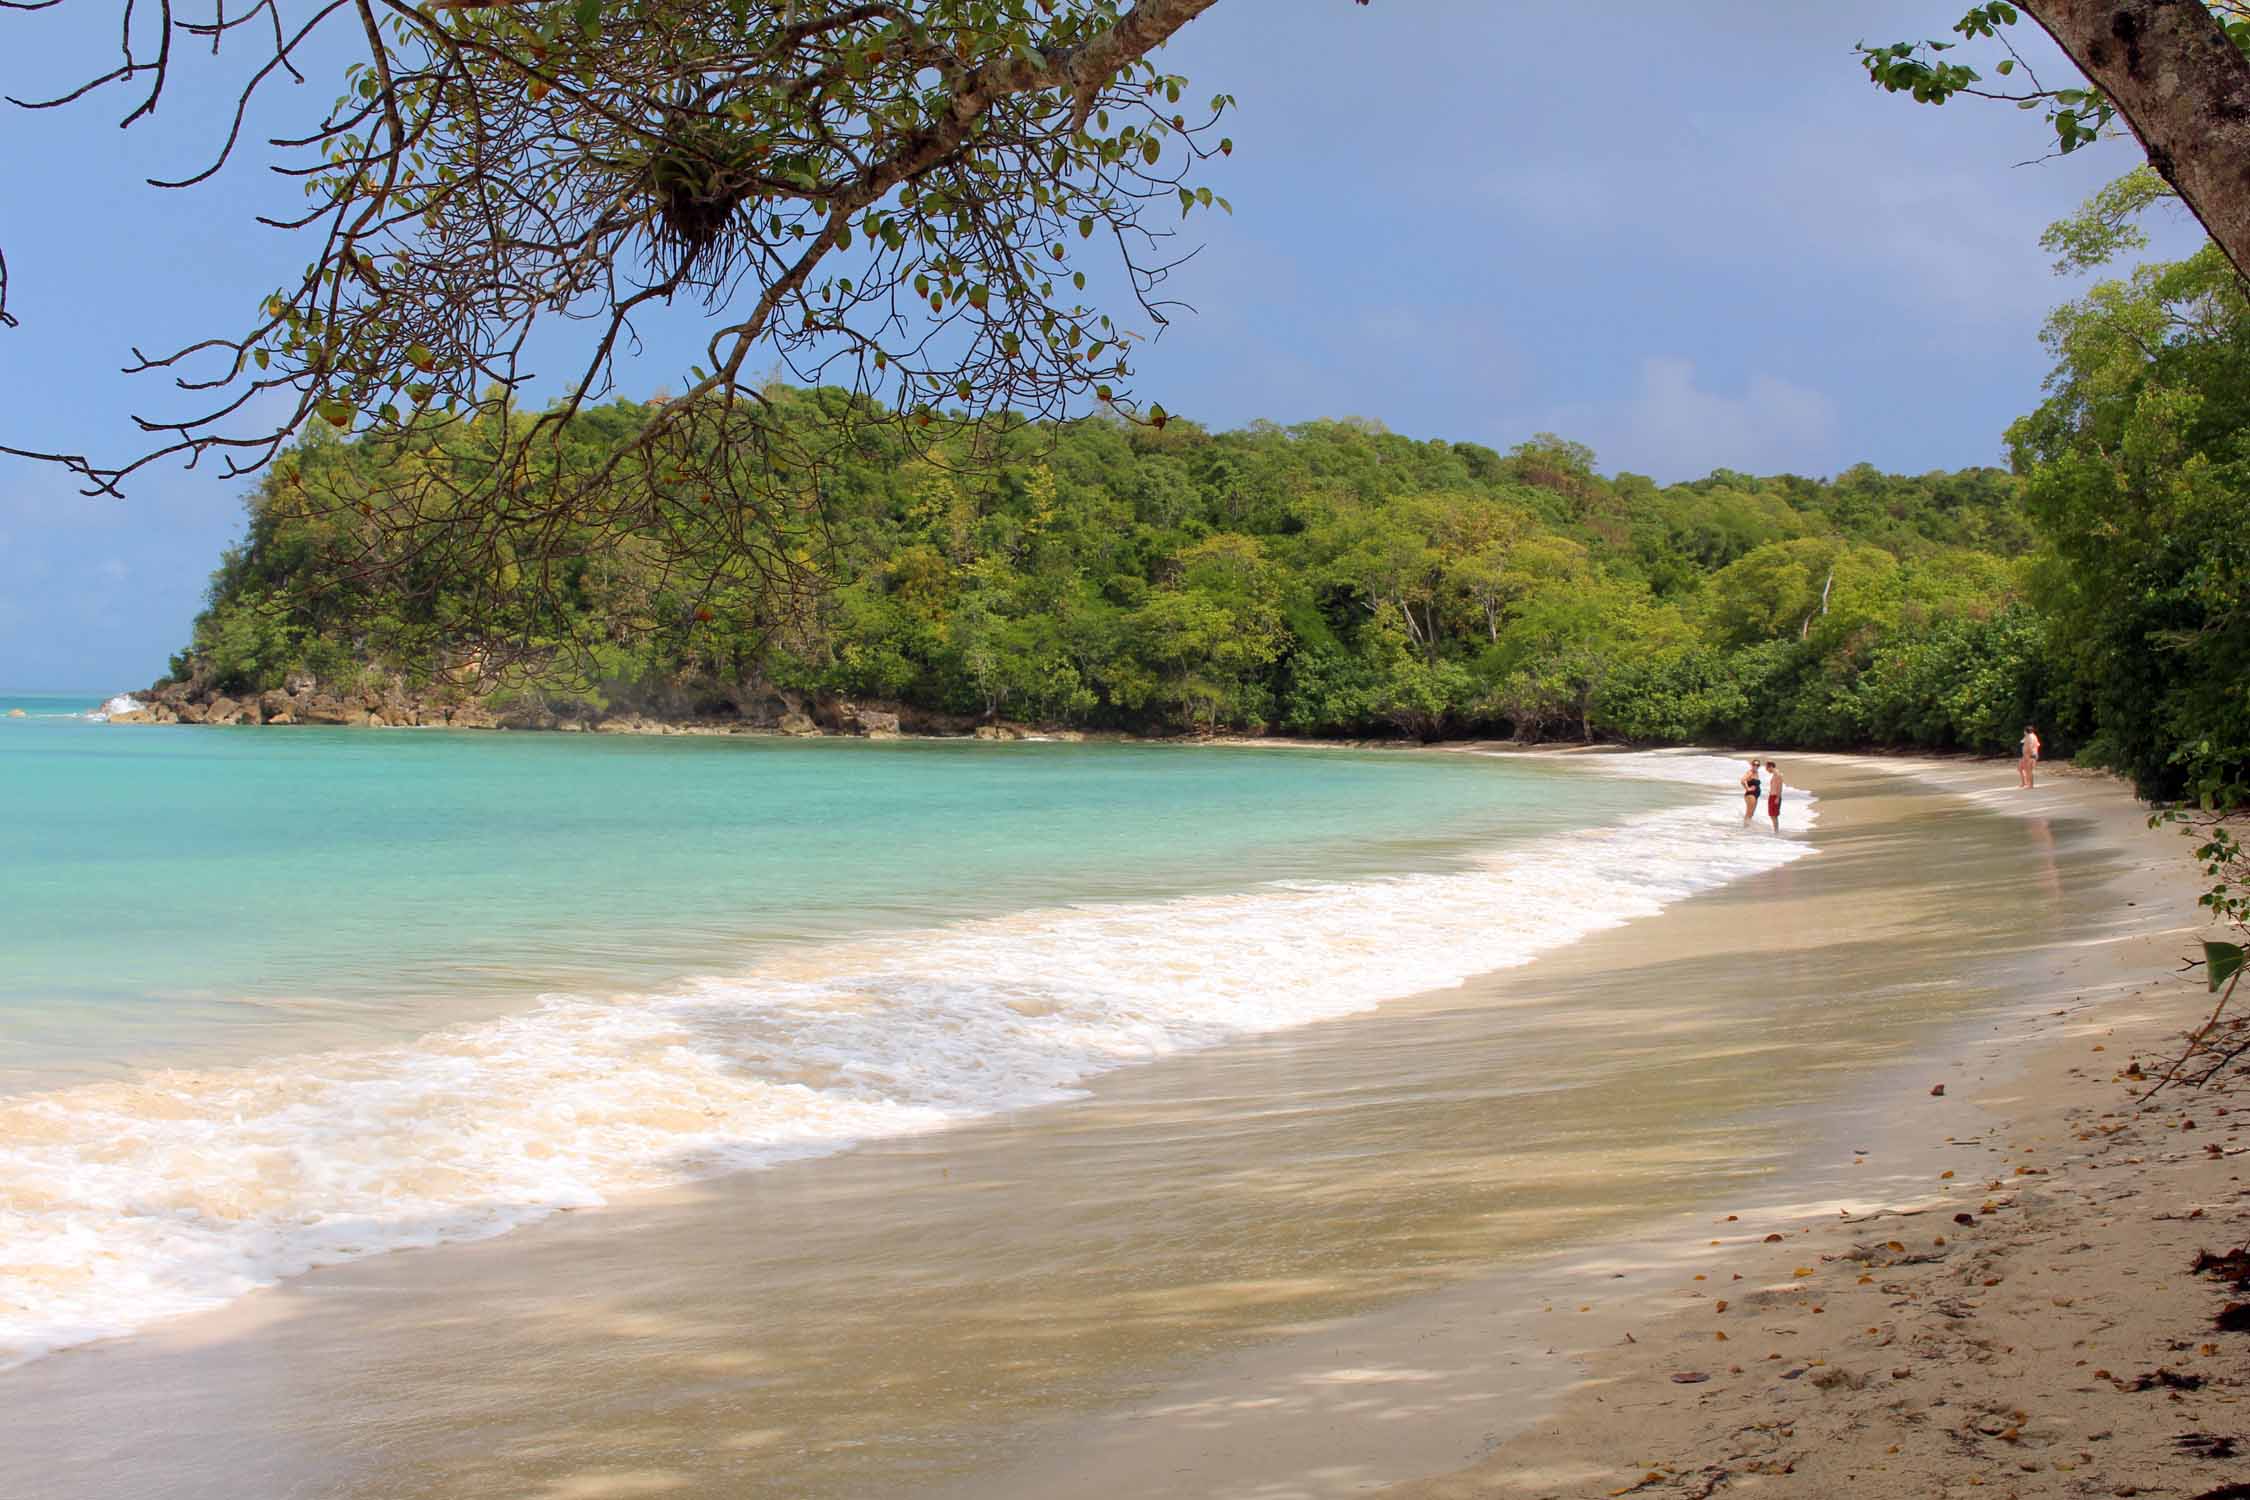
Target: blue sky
1689	236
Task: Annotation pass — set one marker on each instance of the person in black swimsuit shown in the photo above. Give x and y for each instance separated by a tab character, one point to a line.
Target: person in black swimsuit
1750	790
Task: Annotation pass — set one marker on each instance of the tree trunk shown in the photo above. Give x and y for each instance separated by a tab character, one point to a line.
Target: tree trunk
2182	86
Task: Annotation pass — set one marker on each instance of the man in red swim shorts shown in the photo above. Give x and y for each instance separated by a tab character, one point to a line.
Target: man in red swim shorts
1773	794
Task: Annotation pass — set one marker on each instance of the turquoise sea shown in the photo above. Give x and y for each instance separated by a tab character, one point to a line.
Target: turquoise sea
275	997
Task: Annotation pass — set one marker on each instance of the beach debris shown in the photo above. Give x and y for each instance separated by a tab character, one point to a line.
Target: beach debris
2206	1444
2234	1318
1689	1377
2226	1492
2167	1379
1937	1091
2234	1265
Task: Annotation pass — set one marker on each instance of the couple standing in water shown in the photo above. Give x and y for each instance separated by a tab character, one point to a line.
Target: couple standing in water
1769	784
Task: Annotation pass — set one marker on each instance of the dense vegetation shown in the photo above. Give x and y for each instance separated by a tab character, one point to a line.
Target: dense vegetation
1334	578
1321	579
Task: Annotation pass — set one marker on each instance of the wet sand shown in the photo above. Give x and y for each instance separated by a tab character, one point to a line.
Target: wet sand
1306	1264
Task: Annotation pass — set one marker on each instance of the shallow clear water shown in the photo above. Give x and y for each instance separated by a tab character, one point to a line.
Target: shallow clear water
170	893
278	998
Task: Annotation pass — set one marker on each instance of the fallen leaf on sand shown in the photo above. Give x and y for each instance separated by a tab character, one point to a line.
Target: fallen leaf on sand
1689	1377
1773	1239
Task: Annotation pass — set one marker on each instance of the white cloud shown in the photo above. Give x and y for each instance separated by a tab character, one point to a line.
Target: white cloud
1673	428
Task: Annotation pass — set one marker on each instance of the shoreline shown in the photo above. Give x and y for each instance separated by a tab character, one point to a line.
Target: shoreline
1471	1393
797	716
1989	1315
1194	979
1421	1311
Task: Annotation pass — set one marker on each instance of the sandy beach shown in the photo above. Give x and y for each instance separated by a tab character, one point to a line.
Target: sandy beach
1460	1246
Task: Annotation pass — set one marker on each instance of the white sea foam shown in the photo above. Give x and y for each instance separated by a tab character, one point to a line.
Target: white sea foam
123	703
124	1203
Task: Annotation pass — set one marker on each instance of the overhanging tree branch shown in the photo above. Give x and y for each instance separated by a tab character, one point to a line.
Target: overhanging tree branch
891	196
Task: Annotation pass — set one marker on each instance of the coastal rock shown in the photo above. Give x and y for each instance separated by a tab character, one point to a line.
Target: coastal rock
324	708
274	701
931	721
997	732
222	710
282	715
472	716
132	716
193	713
16	713
297	684
796	723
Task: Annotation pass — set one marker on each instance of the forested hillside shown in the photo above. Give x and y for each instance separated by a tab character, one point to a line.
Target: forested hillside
1326	578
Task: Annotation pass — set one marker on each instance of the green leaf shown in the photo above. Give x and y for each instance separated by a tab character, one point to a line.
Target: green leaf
588	14
2222	962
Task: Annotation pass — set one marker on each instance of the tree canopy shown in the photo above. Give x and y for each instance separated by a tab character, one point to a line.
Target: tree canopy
898	198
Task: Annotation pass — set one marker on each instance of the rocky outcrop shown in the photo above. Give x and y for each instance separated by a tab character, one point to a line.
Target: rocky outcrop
391	703
842	716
